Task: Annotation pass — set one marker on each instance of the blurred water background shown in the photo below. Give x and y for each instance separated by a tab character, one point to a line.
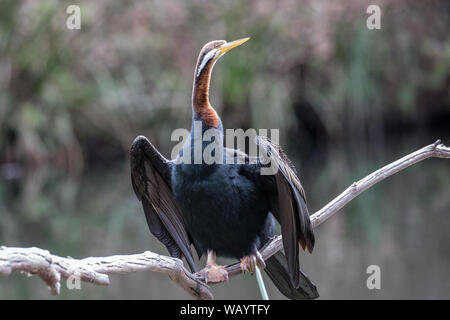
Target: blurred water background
347	100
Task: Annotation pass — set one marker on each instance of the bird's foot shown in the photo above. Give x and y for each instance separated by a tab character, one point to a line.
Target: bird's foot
250	262
213	273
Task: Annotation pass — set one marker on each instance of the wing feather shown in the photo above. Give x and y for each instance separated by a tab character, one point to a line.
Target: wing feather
150	177
289	206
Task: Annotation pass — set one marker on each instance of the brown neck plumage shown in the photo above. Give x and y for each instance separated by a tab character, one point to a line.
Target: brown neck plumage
200	97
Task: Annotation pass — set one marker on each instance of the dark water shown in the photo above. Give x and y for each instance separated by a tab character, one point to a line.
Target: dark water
401	225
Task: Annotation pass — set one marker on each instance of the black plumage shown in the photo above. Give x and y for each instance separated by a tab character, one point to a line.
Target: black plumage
228	209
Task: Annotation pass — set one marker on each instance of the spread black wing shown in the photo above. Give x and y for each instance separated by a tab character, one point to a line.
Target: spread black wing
276	269
150	177
288	205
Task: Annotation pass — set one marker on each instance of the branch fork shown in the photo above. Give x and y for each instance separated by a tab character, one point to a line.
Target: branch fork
96	270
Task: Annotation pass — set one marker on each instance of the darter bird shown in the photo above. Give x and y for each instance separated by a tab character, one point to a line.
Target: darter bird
226	209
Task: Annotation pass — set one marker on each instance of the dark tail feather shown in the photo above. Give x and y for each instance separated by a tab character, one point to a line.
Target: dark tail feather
277	270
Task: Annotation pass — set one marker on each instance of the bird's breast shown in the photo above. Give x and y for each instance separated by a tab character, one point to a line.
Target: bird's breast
219	204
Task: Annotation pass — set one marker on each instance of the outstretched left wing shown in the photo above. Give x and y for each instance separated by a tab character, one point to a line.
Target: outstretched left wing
150	177
288	205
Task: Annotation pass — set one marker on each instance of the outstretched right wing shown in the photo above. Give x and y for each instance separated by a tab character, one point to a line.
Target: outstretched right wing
150	177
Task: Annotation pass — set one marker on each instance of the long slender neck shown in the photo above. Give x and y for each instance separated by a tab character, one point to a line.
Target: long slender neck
201	108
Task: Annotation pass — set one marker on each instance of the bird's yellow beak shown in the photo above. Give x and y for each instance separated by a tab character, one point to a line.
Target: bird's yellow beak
230	45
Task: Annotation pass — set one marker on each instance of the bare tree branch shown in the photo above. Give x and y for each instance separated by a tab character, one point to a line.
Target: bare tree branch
435	150
96	270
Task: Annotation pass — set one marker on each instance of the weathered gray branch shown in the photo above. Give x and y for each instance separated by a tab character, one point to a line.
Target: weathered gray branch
96	270
435	150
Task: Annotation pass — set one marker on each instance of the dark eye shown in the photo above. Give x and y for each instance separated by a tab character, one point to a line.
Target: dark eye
219	43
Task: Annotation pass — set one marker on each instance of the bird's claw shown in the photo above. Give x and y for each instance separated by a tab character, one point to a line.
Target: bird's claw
250	262
213	274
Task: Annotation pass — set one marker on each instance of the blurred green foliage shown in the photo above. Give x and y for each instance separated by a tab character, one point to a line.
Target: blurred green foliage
312	69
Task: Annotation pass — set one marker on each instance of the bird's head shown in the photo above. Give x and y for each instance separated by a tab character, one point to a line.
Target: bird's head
212	51
208	56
